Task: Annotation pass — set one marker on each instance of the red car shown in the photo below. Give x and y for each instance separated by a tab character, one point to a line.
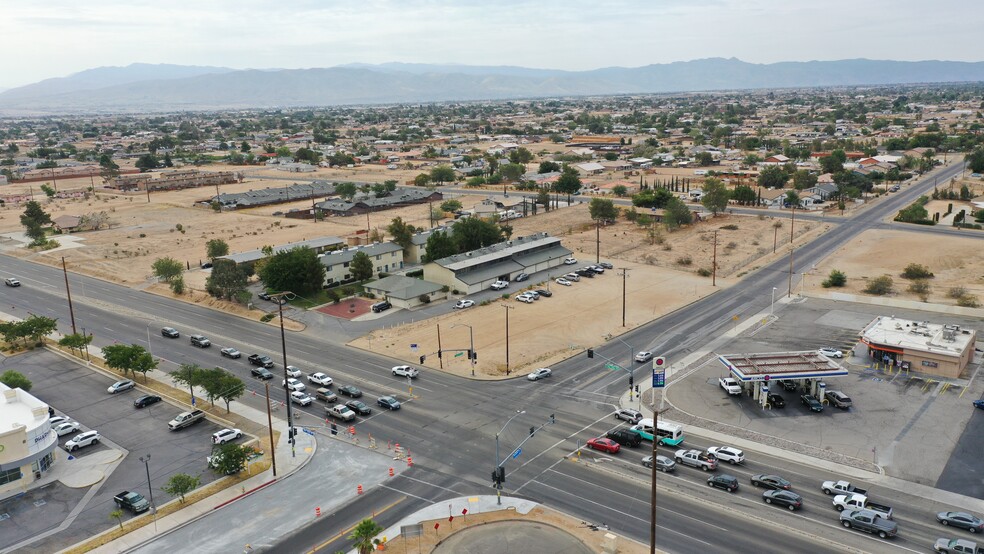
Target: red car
605	445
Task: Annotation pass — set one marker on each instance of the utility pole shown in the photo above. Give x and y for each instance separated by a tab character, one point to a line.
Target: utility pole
273	448
597	241
440	358
652	498
507	336
625	275
68	292
283	346
792	220
714	261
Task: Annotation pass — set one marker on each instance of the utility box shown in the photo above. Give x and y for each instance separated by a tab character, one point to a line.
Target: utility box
609	545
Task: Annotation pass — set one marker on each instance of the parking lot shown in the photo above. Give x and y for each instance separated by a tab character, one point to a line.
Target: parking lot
905	423
80	393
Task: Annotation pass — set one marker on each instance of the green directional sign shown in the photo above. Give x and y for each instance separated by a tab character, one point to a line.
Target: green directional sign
459	354
612	367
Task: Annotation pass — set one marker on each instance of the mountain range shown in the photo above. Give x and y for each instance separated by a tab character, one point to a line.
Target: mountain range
152	88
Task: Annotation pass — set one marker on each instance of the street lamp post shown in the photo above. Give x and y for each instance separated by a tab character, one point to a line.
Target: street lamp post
498	488
149	348
773	305
150	489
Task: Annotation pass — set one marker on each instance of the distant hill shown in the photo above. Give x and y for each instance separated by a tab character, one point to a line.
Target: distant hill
144	87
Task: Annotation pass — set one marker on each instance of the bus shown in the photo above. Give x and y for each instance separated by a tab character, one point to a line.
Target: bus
670	434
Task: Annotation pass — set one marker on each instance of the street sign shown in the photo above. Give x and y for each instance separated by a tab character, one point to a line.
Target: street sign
612	367
308	431
659	372
413	347
517	453
459	354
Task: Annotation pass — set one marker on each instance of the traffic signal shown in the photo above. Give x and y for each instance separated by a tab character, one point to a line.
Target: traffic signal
631	380
422	358
502	474
591	352
553	419
637	389
532	430
438	354
470	354
475	355
334	429
495	476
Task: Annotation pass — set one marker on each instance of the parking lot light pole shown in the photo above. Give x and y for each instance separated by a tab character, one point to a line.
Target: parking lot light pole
150	490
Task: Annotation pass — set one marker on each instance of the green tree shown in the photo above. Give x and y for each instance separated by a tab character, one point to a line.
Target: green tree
216	248
473	233
15	380
36	327
34	214
652	198
620	190
568	183
298	270
226	279
913	213
543	198
181	484
744	195
716	195
773	177
361	266
189	375
676	214
512	172
880	286
75	341
602	209
831	164
441	174
346	191
548	167
146	163
704	159
245	147
422	180
804	179
792	198
117	514
975	160
229	388
167	268
402	232
128	358
364	535
230	458
440	244
48	190
521	156
451	205
108	168
836	278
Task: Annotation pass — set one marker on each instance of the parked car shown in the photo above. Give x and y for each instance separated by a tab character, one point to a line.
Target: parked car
839	399
263	296
146	400
570	261
349	390
499	285
464	303
121	386
388	402
231	353
628	414
82	440
538	374
572	276
723	481
320	379
170	332
563	281
811	402
522	277
326	395
11	282
301	398
830	352
585	273
644	356
728	454
606	265
785	498
533	293
405	371
604	445
293	384
201	341
226	435
66	428
381	306
777	401
524	298
597	269
544	292
771	482
260	360
788	384
359	407
663	463
261	373
961	520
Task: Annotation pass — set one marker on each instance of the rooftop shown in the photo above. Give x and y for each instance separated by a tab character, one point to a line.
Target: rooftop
765	366
918	335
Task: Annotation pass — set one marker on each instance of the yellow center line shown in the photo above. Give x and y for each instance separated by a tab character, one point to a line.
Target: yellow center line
346	531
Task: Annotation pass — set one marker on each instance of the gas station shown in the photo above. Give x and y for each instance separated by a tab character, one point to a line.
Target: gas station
755	372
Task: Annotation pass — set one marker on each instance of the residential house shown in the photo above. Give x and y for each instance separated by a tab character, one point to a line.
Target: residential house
385	256
67	223
406	292
589	168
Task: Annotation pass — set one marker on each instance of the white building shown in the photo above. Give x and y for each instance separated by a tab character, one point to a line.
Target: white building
27	442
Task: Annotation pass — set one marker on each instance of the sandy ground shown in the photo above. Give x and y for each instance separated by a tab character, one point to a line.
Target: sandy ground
955	261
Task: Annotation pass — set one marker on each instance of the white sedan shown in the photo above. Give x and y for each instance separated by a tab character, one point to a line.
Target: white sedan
294	384
524	298
644	356
66	428
562	281
462	304
320	379
302	398
728	454
831	352
226	435
538	374
293	371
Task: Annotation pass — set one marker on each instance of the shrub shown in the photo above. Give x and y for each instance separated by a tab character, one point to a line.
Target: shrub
835	279
956	292
880	286
968	301
920	287
445	288
424	298
704	272
916	271
178	285
332	295
730	227
266	318
684	260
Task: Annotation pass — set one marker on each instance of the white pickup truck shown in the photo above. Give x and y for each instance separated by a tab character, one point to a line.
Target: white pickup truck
860	502
840	487
730	385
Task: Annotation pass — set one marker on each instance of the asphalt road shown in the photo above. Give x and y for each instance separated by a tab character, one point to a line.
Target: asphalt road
451	427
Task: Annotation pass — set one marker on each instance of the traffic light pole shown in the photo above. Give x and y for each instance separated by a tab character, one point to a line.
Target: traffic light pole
499	473
592	354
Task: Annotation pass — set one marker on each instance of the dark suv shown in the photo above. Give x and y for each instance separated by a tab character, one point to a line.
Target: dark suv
585	273
381	306
624	437
200	341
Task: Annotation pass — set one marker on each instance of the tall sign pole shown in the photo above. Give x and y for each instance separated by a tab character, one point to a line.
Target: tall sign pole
659	381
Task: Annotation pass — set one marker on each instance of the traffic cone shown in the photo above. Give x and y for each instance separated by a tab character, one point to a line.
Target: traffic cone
391	472
409	461
317	512
359	489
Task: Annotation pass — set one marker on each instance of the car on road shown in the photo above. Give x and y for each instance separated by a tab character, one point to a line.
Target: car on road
525	298
406	371
723	481
728	454
231	353
606	265
830	352
628	414
146	400
785	498
293	384
260	360
359	407
499	285
462	304
350	390
544	292
624	437
563	281
261	373
66	428
170	332
522	277
82	440
201	341
958	546
644	356
320	379
811	402
11	282
961	520
388	402
340	411
121	386
979	404
570	261
538	374
604	445
301	398
226	435
326	395
663	463
777	401
293	371
774	482
894	189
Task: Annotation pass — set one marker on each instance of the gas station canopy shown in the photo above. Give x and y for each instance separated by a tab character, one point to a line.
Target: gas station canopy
749	368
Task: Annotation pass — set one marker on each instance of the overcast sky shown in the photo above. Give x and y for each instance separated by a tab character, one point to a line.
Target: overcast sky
55	38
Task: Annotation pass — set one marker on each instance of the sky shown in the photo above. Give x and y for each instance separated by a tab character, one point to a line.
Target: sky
55	38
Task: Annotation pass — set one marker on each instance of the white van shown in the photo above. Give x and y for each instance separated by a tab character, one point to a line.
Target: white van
700	172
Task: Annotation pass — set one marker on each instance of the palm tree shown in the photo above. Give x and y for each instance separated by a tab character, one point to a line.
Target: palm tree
363	535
